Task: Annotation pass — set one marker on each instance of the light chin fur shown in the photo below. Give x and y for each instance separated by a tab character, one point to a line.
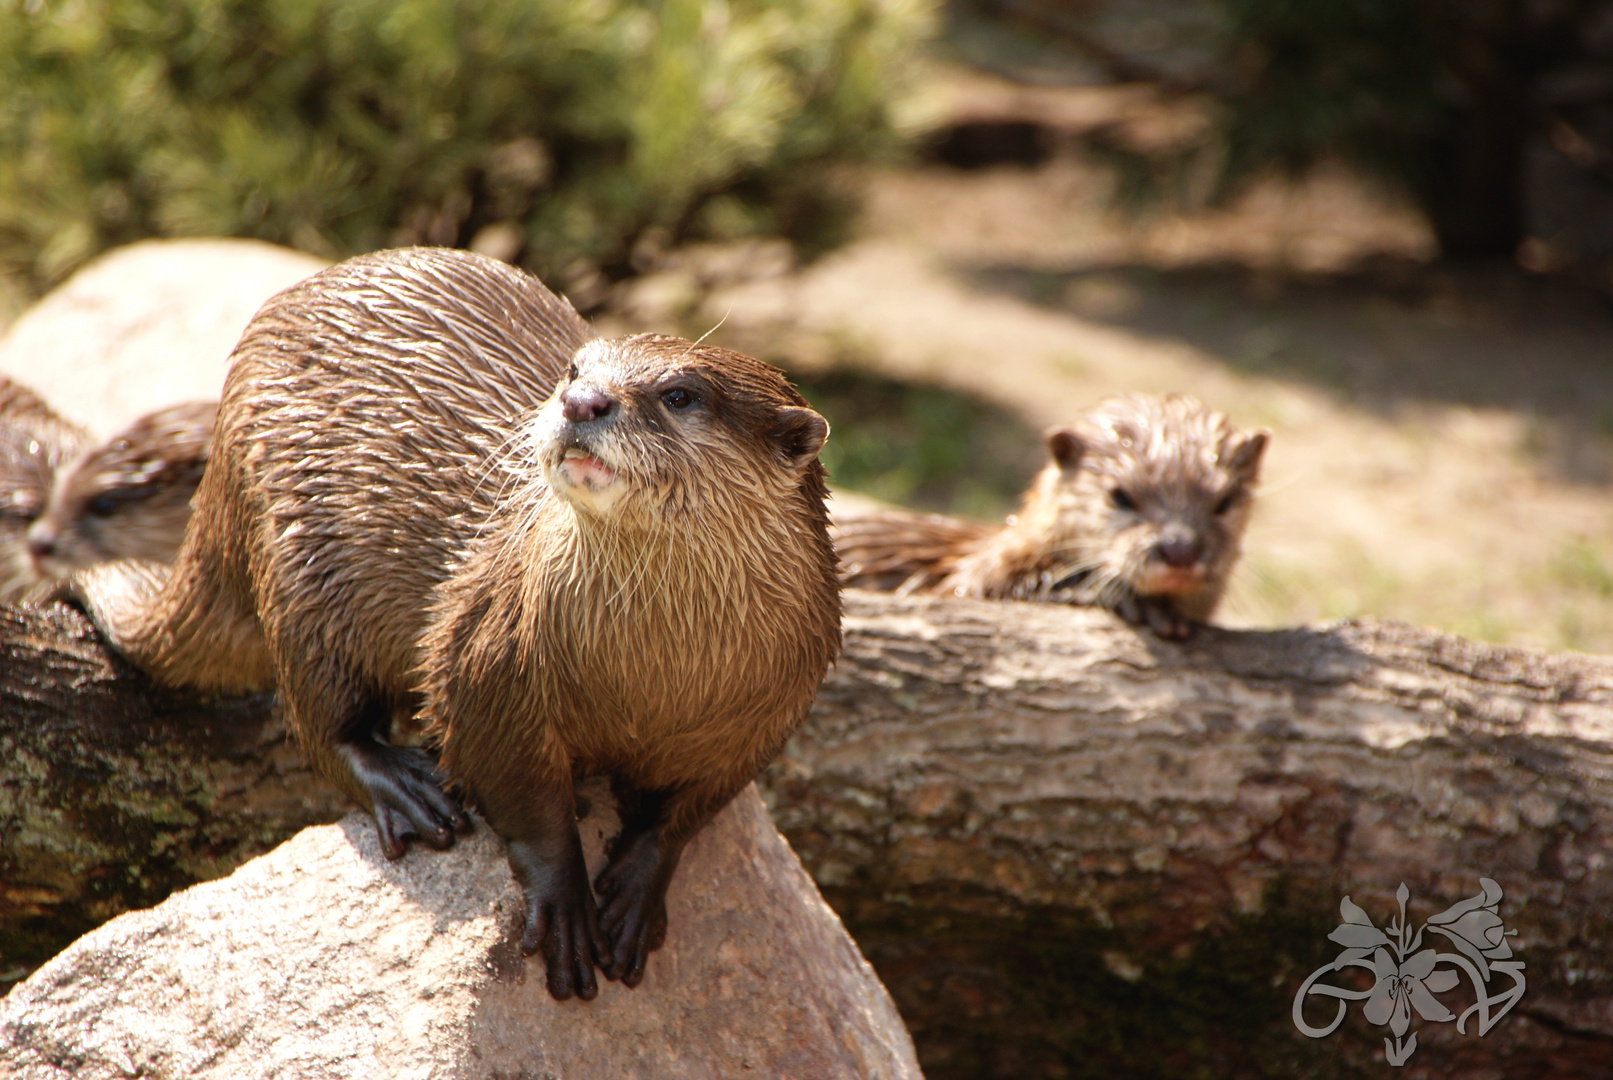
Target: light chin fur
547	445
596	501
1163	581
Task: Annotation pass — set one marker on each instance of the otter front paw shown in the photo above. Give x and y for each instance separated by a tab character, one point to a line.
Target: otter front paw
1156	613
406	796
632	892
561	919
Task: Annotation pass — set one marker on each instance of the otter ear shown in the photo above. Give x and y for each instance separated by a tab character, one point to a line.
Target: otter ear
1065	446
1244	459
798	435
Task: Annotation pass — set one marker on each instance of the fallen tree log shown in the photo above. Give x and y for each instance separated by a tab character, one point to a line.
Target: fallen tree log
1068	848
115	792
1072	849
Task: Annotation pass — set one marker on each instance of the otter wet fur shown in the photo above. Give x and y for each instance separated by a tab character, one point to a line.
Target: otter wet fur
129	497
34	443
431	483
1140	509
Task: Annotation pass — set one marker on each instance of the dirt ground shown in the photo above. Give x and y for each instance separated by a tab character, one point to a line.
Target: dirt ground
1443	436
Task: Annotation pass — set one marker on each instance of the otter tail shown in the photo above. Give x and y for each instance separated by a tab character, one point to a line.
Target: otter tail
176	624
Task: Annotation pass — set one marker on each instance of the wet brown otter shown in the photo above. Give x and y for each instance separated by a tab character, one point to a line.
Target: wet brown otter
34	442
129	497
1141	509
430	482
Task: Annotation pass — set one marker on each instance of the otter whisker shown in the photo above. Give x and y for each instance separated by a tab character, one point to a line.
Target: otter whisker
701	340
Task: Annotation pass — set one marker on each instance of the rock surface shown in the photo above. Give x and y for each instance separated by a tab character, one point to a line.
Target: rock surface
321	959
145	326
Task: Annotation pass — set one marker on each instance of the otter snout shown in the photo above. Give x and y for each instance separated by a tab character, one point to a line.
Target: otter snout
576	450
1174	565
580	404
43	540
1179	546
41	544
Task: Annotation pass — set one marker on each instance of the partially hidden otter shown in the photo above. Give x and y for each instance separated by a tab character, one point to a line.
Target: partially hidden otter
128	497
430	482
1141	509
34	442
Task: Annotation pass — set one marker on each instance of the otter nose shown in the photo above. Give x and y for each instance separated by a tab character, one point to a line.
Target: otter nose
40	544
583	403
1180	546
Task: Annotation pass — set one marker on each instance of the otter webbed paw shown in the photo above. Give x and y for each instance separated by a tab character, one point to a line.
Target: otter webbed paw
632	894
561	919
1156	613
1164	621
406	796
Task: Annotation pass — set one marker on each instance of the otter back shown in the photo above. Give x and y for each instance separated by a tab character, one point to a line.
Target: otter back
351	464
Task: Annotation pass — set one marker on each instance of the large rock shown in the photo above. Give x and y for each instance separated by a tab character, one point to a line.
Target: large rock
146	326
322	959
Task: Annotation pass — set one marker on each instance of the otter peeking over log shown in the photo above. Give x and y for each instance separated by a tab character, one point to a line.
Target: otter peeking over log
34	442
1141	509
431	485
127	498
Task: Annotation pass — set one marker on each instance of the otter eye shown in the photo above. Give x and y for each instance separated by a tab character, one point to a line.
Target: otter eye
1226	502
103	506
677	399
1121	500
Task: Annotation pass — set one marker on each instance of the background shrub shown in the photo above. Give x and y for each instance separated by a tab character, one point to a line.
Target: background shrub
563	127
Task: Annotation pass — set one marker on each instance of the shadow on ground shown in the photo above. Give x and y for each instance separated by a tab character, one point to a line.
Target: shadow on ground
1383	337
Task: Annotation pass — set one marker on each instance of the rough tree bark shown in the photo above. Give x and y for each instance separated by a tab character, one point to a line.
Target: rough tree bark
115	792
1068	849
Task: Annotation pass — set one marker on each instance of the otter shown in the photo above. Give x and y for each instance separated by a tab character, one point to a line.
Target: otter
34	442
127	498
1140	509
432	483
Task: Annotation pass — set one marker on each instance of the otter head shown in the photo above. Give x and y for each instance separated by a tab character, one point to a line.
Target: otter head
127	498
653	429
1159	489
25	476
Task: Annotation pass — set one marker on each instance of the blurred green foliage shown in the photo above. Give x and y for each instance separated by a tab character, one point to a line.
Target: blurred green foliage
921	445
341	126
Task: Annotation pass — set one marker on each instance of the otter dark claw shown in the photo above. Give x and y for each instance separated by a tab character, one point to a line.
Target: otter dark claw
1157	615
561	919
406	796
632	894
